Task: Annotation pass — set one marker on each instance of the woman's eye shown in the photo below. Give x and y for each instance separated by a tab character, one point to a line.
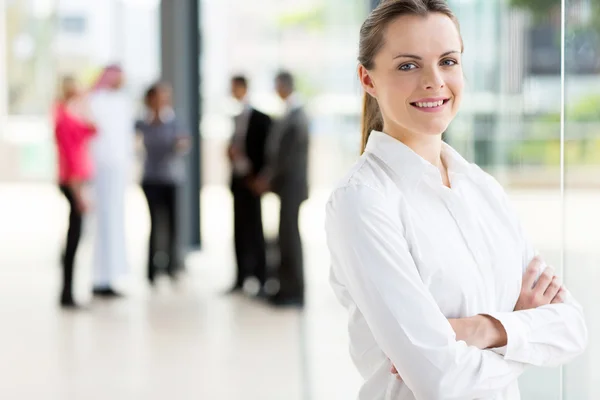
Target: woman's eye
407	67
449	63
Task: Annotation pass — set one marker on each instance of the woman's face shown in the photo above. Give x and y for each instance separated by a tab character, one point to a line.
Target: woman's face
417	78
161	98
70	88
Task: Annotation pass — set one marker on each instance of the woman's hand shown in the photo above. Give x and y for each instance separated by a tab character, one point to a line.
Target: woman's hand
81	203
394	371
83	206
233	153
260	186
547	290
182	144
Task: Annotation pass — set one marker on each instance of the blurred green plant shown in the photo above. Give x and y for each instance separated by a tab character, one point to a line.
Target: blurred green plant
587	110
547	152
541	146
539	8
305	85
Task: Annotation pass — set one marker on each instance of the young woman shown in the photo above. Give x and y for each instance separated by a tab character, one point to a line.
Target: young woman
442	286
164	171
73	129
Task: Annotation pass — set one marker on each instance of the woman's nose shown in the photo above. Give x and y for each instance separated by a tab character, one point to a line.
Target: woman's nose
432	79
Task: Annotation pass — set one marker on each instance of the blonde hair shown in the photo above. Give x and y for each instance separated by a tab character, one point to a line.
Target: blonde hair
372	40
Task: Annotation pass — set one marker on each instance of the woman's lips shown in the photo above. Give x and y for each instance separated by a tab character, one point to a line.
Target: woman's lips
430	105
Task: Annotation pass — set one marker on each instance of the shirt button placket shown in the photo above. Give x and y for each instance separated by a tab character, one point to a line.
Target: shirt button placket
469	231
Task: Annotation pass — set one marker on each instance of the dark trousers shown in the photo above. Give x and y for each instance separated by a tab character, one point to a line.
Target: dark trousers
291	268
71	245
249	237
162	204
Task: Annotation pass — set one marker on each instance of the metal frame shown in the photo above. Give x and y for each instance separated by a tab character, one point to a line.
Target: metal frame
180	63
3	69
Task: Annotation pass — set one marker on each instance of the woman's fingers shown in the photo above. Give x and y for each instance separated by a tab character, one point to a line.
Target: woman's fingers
560	296
545	280
394	371
553	288
533	269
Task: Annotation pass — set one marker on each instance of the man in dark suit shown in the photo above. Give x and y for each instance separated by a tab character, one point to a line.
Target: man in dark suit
246	153
286	175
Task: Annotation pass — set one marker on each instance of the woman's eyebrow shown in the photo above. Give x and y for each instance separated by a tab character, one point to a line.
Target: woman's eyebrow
420	58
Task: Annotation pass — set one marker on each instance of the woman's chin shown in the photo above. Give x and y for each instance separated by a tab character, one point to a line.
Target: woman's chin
433	130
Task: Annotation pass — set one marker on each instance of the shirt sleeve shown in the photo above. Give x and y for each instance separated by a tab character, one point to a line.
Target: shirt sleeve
89	130
181	131
547	336
372	258
284	140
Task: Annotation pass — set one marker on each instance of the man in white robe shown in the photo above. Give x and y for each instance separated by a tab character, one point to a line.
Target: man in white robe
113	154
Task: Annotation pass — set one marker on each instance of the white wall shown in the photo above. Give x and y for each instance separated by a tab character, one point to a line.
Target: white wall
118	31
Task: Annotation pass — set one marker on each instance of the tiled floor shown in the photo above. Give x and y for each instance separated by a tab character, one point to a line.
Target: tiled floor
189	341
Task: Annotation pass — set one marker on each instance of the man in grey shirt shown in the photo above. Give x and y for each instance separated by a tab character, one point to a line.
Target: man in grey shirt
164	171
286	174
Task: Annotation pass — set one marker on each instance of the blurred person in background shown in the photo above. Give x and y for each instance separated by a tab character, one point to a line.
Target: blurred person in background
286	174
73	128
113	150
165	144
246	152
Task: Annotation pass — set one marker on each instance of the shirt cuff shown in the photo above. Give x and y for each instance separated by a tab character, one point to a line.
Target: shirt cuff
517	334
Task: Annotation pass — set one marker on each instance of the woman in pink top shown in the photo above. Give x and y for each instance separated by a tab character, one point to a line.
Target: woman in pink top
73	129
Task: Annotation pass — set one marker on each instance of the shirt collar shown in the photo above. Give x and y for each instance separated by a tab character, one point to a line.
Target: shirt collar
410	166
292	102
246	107
165	115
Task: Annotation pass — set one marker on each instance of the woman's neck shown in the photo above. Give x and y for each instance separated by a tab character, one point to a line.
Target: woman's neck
429	147
68	99
155	114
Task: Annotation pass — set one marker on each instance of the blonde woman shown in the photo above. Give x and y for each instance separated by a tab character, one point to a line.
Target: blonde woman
428	257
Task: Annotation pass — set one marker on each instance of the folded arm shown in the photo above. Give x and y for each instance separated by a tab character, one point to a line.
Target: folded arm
549	335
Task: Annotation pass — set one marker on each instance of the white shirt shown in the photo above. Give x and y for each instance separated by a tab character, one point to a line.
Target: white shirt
241	165
292	102
114	115
407	253
165	115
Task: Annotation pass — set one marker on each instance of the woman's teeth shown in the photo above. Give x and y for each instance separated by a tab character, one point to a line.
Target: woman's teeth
429	104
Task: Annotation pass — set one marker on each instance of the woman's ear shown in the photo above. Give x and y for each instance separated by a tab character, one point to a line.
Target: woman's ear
366	81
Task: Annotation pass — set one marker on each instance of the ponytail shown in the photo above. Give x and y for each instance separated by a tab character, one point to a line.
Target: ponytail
371	119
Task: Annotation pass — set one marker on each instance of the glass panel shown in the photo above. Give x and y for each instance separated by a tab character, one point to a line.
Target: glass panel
26	88
317	41
582	179
509	123
29	33
3	75
44	39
